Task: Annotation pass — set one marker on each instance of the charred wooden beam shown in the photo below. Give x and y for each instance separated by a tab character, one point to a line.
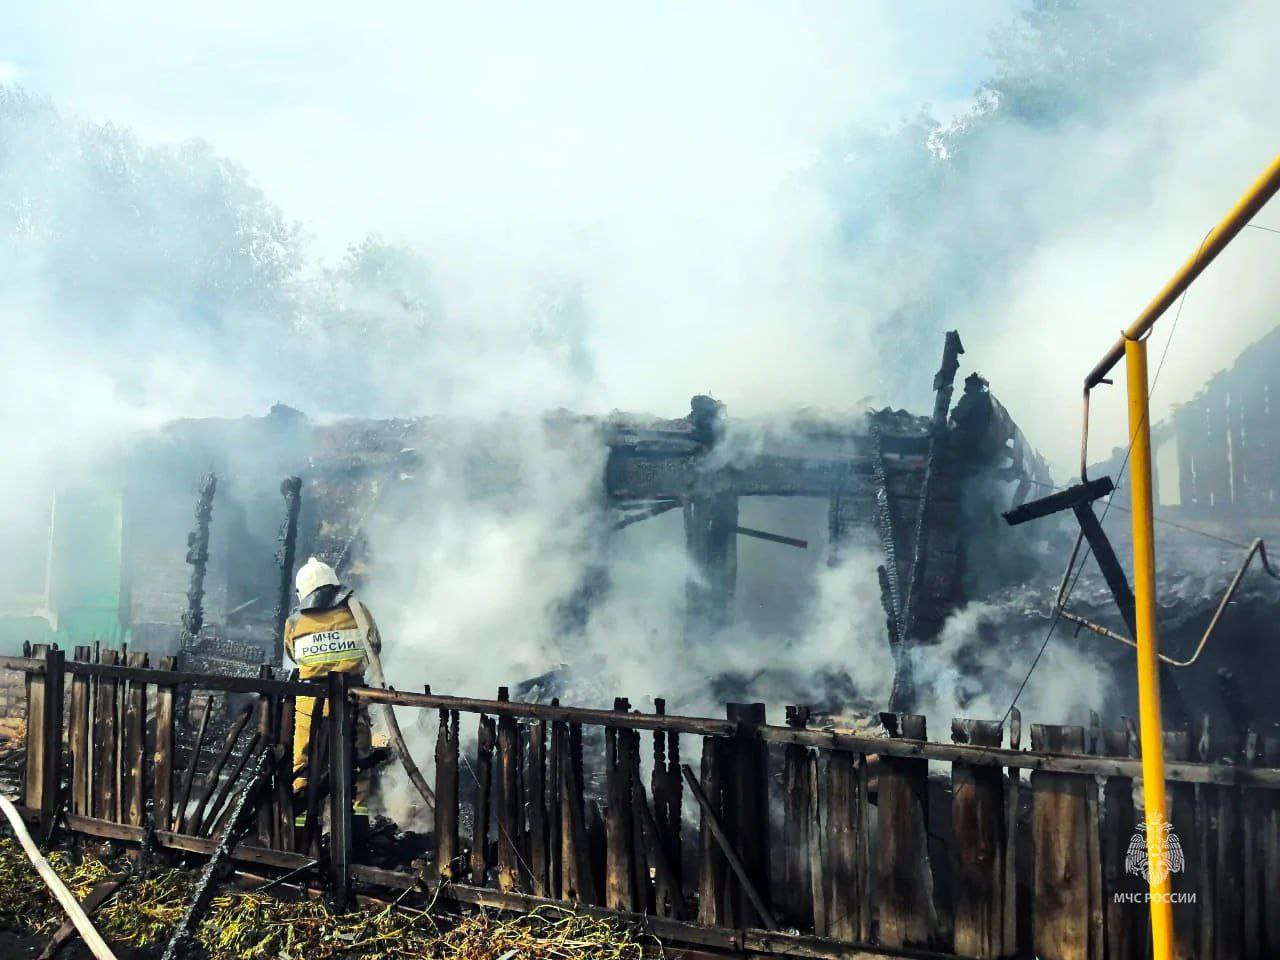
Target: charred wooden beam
286	554
198	558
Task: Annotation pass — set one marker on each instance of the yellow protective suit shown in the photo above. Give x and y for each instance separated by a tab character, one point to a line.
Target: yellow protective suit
325	636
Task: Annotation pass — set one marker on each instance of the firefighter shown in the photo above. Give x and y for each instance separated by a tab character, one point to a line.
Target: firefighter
329	632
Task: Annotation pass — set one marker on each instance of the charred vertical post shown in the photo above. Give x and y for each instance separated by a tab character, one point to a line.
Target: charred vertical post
283	772
577	879
198	558
536	800
978	824
642	894
797	889
1270	845
713	867
711	540
908	916
1126	933
618	819
1181	798
667	788
43	777
162	761
507	796
81	772
747	814
1013	841
1059	836
133	768
266	724
839	876
486	740
107	801
286	556
446	811
342	732
555	814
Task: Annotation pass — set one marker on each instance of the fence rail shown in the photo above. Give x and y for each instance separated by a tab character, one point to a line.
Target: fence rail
778	839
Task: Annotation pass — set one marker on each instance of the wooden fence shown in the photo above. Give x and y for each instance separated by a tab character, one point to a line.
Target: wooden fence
729	834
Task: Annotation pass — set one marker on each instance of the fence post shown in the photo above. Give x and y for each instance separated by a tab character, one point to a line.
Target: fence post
447	797
747	807
535	788
619	885
341	775
978	825
908	916
1126	931
133	739
44	737
507	800
1061	850
713	868
81	772
163	760
797	890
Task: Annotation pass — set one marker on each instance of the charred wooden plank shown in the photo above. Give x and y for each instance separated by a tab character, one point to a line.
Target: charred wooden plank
536	801
797	888
133	767
747	803
843	901
81	771
712	866
555	815
667	897
267	723
1270	848
488	735
618	820
189	775
579	883
1059	825
107	796
1181	798
206	886
736	864
507	802
907	913
162	760
1126	934
979	854
284	775
817	848
342	750
1216	773
33	780
222	805
446	809
197	818
700	726
642	895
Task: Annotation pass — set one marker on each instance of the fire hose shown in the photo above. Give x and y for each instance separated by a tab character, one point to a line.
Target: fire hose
379	679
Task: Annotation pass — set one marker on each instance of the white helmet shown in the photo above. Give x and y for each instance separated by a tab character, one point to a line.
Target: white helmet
313	575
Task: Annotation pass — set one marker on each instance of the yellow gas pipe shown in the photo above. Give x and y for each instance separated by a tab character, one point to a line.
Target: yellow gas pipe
1132	346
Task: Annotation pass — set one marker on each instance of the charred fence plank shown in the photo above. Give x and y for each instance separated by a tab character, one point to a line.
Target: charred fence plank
978	816
908	916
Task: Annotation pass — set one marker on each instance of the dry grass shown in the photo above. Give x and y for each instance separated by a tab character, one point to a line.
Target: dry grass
261	927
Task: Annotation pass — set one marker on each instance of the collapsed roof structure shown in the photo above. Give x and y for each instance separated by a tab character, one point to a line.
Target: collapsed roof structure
926	490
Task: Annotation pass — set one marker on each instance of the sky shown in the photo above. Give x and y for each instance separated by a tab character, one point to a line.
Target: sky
446	125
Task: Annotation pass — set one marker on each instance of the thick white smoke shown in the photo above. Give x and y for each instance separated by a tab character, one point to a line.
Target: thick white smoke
597	208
